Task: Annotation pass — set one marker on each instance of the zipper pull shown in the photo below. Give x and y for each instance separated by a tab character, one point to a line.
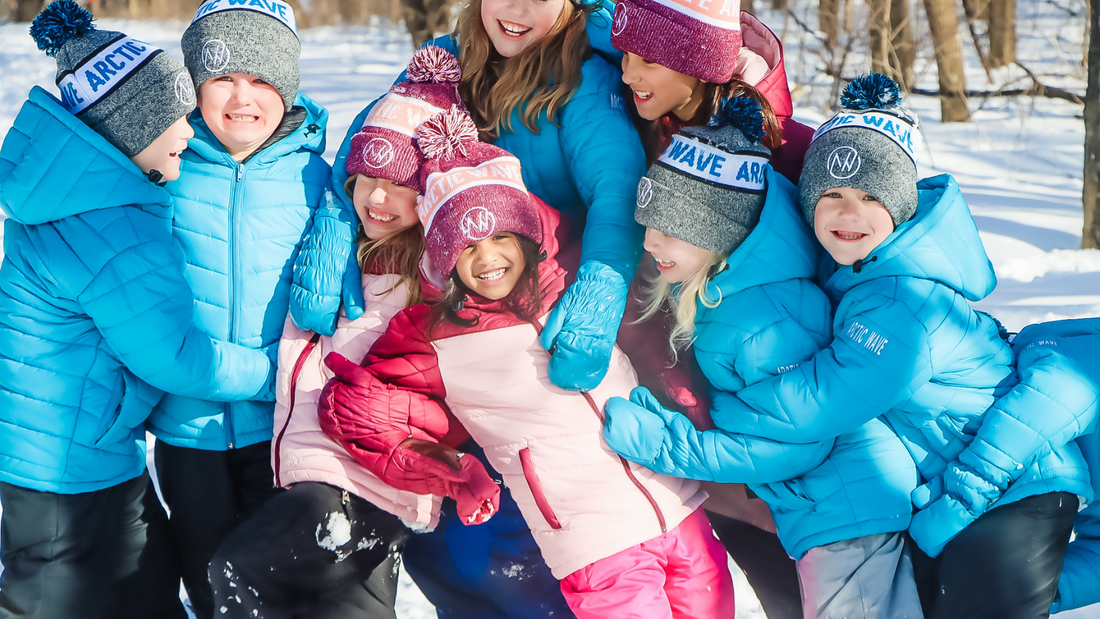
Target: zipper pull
240	172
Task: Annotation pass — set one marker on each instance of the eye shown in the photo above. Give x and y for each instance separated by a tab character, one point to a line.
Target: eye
503	236
870	198
834	195
258	81
223	78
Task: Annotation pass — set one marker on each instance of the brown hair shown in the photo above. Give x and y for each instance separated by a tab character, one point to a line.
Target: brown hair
656	133
542	77
525	300
398	253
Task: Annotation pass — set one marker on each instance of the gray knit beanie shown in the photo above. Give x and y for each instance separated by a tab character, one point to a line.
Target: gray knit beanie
126	90
707	188
257	37
871	144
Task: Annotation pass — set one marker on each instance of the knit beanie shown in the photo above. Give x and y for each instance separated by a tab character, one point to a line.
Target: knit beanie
472	190
707	188
257	37
700	38
126	90
871	144
386	145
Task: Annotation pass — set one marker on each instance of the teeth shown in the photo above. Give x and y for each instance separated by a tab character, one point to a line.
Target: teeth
641	94
849	236
239	118
665	263
492	275
514	29
380	216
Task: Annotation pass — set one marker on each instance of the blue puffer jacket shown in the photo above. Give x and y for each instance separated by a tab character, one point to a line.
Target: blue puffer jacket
93	303
587	166
240	226
1079	584
907	346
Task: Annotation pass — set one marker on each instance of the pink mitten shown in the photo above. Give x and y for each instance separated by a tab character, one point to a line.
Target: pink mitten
479	498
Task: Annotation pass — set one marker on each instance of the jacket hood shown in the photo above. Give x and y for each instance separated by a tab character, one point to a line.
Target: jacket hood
781	247
599	33
939	243
762	41
53	166
309	135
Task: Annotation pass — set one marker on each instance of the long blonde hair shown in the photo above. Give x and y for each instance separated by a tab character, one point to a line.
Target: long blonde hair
541	78
396	253
681	300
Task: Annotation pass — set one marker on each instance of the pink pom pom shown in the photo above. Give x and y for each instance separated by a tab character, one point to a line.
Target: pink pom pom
434	65
446	134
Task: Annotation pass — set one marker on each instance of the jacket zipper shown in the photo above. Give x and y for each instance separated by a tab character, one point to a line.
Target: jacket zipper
234	221
626	465
290	409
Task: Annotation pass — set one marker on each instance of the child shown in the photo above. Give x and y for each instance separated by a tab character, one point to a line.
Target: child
247	191
96	319
907	346
364	520
625	542
744	296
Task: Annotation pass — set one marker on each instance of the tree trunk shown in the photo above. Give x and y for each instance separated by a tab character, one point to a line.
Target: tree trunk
828	13
904	52
779	5
746	5
1002	32
944	24
1090	235
879	23
27	10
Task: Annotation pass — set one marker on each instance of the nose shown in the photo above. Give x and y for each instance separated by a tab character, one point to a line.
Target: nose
242	92
653	239
630	64
188	132
378	196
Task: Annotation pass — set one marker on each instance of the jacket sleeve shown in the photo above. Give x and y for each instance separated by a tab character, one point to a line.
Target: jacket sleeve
878	358
1079	584
606	162
143	306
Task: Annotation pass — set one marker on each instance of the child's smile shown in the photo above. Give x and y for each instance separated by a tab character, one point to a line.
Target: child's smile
659	90
676	260
850	224
491	267
384	207
514	25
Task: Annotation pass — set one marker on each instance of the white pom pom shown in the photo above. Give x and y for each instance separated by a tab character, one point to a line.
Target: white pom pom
446	134
434	65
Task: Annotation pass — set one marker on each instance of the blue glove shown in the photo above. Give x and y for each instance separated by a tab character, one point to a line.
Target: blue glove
326	271
637	429
581	330
947	505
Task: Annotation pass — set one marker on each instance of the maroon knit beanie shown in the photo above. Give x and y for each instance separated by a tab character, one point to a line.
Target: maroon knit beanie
700	38
385	147
472	190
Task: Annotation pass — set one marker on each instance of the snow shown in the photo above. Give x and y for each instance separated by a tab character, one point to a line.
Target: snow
1019	162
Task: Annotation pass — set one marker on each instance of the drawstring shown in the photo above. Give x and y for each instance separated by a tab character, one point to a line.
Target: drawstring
156	178
714	270
311	128
857	266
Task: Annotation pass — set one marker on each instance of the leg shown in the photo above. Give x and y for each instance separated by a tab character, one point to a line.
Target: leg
373	597
771	572
1006	564
863	578
253	479
627	585
698	582
300	549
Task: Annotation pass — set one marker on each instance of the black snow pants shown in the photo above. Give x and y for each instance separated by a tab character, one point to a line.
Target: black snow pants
771	572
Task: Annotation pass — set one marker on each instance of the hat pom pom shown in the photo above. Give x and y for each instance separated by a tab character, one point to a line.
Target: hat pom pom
741	113
872	91
446	133
434	65
59	22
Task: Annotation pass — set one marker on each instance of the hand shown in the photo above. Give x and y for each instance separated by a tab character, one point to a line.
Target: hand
431	468
346	414
637	429
479	497
581	330
327	271
938	523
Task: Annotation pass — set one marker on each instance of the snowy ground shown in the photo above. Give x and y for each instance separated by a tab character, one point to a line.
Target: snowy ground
1019	161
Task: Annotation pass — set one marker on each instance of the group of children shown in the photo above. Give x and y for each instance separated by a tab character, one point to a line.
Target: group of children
419	356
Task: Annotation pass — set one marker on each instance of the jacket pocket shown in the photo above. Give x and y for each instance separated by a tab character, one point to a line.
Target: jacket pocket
536	488
133	402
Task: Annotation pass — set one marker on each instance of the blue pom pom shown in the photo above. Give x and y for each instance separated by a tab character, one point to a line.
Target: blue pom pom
741	113
57	23
872	91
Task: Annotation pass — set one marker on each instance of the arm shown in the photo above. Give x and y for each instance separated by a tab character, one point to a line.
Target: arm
606	162
1079	584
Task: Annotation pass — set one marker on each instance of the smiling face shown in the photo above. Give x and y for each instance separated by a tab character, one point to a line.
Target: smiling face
850	223
491	267
515	25
163	154
241	110
676	260
383	206
659	90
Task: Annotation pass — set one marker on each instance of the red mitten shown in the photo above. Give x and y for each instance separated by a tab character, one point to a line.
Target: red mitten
355	406
413	471
479	498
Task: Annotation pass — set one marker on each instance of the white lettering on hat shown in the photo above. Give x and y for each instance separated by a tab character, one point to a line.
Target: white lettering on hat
904	134
378	153
185	88
400	113
843	162
215	55
478	223
702	161
440	187
618	23
724	14
278	9
645	192
98	75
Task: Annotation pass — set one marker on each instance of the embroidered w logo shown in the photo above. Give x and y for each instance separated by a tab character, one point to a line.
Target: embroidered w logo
377	153
478	223
215	55
844	162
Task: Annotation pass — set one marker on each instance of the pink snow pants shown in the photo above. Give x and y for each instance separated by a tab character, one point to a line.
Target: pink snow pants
681	574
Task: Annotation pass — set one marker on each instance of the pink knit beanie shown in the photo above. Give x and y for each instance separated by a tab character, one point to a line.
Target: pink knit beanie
472	190
700	38
385	147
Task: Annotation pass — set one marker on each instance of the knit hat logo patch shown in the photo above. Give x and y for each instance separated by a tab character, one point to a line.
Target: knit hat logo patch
707	163
378	153
99	75
478	223
215	55
442	186
618	24
645	192
185	89
899	130
400	113
272	8
844	162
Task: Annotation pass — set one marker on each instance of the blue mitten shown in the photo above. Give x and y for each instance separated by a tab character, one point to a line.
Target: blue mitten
637	428
581	330
937	524
326	271
948	504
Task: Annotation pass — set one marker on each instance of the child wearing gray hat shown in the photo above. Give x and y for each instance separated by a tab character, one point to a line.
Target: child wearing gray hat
96	319
248	189
737	263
